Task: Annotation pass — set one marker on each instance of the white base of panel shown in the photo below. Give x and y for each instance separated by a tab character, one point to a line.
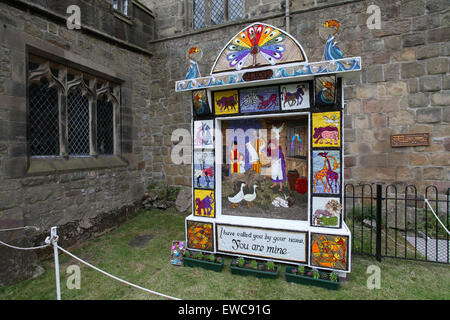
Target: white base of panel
290	231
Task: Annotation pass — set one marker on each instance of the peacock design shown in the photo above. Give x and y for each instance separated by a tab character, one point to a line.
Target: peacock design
253	41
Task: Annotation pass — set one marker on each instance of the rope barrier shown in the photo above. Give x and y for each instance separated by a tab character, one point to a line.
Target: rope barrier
426	200
21	248
19	228
114	277
53	240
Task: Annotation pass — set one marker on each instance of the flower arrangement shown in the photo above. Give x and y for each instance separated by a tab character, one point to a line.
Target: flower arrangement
313	276
242	266
200	259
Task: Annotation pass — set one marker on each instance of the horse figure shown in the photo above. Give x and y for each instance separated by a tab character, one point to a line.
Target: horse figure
293	97
270	102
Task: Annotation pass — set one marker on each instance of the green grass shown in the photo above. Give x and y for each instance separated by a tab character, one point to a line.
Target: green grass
149	267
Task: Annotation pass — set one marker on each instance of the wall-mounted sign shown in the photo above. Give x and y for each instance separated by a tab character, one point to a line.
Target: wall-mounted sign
258	75
261	242
410	140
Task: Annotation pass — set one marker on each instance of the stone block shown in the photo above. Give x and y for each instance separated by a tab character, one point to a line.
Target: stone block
413	39
349	135
441	98
447	144
403	174
389	105
436	6
407	54
418	159
430	83
378	120
437	65
413	85
427	51
440	159
426	22
433	173
382	57
14	167
374	74
366	91
391	72
429	115
401	118
373	160
446	115
446	83
371	105
398	158
412	8
418	100
439	35
398	88
393	43
412	70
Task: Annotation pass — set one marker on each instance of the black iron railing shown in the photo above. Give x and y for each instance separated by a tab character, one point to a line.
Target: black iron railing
397	222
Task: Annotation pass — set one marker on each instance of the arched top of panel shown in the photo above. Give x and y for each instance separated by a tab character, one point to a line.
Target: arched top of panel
258	45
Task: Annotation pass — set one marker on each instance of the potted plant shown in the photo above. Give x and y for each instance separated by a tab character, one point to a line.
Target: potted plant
312	276
253	268
205	261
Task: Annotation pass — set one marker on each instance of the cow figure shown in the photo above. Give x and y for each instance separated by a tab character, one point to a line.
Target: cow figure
228	103
330	134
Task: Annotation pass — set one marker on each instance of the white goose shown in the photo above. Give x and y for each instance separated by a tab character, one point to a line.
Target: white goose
238	197
251	196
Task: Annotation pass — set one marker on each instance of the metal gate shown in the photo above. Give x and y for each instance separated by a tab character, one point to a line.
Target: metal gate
397	222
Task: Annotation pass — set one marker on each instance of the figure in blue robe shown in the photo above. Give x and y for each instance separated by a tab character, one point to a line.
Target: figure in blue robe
332	52
192	72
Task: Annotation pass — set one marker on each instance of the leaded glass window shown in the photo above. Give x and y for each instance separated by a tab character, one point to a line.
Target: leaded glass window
214	12
78	123
71	113
105	126
43	115
199	16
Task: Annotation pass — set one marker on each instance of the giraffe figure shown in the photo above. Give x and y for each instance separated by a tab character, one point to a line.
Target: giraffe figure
321	175
327	174
332	177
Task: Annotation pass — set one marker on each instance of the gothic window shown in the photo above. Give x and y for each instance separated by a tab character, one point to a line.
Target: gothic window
199	16
43	125
78	122
214	12
217	11
105	126
71	113
121	6
235	10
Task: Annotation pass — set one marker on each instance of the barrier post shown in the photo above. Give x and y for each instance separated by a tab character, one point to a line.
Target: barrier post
378	220
54	239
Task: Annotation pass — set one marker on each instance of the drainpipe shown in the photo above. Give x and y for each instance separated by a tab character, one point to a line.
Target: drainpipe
288	22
